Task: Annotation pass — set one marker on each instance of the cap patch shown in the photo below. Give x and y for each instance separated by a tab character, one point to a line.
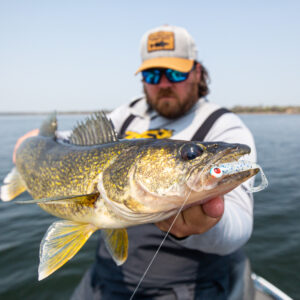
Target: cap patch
161	40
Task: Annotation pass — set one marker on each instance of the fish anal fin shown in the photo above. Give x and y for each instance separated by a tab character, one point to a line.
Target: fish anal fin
61	242
116	241
13	186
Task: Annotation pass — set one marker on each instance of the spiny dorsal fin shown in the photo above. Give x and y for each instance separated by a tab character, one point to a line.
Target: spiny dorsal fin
49	126
96	130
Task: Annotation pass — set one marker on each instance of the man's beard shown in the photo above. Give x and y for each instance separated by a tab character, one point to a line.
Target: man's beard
176	108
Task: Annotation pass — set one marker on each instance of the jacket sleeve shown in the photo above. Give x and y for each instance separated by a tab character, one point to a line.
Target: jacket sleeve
235	227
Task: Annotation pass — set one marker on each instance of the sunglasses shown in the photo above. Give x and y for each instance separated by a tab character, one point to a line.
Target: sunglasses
153	76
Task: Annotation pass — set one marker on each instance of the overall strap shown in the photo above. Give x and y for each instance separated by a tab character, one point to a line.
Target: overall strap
134	102
129	119
125	126
208	123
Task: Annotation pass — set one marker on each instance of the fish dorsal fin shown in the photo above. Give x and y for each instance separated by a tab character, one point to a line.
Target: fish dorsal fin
116	241
60	243
95	130
49	126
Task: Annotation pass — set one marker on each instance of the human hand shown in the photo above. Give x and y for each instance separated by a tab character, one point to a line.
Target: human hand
31	133
196	219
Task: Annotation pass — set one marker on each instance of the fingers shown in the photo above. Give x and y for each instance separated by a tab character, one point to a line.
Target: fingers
195	220
214	208
166	224
21	140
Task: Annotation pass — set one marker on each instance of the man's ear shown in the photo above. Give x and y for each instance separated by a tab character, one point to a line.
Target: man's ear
198	71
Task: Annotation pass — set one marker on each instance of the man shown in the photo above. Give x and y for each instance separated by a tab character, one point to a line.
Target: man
196	259
200	258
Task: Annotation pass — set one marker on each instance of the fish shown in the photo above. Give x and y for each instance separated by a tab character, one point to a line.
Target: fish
96	181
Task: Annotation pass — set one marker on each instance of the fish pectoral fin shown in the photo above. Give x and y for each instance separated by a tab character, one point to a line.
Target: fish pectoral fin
86	199
116	241
13	186
61	242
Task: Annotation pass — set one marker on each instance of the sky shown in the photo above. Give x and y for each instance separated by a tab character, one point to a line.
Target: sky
82	55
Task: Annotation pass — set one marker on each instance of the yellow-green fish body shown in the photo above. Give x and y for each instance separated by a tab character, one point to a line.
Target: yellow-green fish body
60	169
99	182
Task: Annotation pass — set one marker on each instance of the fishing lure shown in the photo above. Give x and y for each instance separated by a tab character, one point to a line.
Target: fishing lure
237	167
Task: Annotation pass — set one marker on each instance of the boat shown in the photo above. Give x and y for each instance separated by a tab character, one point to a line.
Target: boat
264	290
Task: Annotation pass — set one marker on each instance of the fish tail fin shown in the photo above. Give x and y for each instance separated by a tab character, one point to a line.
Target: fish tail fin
13	186
61	242
116	241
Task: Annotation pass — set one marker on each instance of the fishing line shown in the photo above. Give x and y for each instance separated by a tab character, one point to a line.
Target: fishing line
158	249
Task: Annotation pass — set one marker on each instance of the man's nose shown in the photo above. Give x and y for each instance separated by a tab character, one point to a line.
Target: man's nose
164	82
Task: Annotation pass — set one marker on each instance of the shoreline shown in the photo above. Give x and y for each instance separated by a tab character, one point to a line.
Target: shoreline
275	109
260	110
36	113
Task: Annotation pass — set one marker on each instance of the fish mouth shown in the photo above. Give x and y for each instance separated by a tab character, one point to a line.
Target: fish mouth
227	155
231	154
205	181
238	177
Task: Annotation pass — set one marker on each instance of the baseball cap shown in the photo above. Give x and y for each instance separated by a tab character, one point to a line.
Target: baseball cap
167	46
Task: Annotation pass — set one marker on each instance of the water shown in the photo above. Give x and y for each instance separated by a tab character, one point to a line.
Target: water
275	244
273	249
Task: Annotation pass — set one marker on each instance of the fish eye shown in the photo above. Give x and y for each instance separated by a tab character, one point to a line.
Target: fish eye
190	151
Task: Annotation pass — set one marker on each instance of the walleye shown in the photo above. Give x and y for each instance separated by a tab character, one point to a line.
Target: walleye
96	181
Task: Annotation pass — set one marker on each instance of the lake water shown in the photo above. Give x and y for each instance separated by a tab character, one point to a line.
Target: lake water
273	249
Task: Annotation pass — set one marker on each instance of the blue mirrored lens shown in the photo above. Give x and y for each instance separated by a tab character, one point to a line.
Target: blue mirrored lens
152	76
176	76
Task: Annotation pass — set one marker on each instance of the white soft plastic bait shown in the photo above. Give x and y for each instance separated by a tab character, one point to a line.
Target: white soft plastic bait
236	167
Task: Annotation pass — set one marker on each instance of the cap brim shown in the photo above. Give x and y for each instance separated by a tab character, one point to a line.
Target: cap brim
176	63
